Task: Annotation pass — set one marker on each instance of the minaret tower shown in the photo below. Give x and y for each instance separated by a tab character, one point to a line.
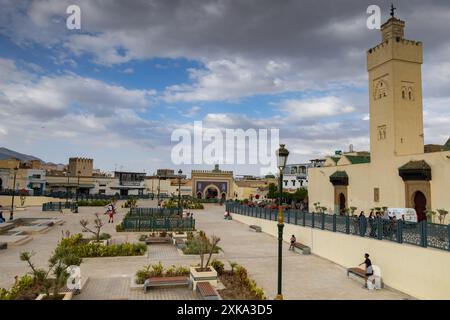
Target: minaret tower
395	93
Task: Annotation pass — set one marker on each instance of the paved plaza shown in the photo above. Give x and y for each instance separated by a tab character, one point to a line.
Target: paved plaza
304	276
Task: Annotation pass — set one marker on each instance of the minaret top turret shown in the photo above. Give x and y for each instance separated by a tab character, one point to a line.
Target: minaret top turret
393	28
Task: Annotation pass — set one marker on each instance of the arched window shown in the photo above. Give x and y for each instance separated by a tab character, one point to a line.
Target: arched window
380	89
403	92
410	94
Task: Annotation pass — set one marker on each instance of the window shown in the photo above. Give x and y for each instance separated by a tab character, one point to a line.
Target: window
381	132
102	191
293	183
380	89
286	182
376	194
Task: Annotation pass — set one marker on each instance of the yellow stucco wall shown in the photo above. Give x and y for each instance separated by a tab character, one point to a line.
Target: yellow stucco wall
363	178
419	272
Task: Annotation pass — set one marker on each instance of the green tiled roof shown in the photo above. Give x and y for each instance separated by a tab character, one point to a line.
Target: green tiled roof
415	165
335	159
447	145
358	159
339	174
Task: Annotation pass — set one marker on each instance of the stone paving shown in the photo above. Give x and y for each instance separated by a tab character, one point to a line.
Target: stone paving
304	277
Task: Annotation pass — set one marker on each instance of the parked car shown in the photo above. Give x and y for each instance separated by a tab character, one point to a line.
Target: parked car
405	214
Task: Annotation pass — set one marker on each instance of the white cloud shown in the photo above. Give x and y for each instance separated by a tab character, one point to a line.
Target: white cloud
316	107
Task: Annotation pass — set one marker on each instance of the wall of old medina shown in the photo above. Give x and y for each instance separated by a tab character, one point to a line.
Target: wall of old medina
419	272
382	174
5	201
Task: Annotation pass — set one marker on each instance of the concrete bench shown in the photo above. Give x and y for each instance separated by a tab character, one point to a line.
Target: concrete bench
3	245
165	282
255	228
301	247
158	240
360	274
206	291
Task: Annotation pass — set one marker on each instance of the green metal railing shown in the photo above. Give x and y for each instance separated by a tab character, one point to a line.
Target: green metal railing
58	206
422	233
147	212
158	224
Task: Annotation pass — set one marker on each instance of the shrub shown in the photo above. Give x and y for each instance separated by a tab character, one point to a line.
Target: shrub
218	266
93	203
105	236
182	271
78	247
119	227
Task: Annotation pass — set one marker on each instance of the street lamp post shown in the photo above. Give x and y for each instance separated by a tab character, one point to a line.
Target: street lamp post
159	187
179	188
282	155
11	213
67	189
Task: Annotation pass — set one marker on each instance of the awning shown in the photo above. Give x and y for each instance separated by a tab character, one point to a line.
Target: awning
415	170
339	178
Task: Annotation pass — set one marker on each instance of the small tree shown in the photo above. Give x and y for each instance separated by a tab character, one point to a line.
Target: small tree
430	215
98	224
353	209
232	265
203	244
442	214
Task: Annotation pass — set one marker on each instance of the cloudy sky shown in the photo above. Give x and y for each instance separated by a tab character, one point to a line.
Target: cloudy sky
137	70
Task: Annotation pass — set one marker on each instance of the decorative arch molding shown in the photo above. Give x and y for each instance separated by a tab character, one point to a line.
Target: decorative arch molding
381	89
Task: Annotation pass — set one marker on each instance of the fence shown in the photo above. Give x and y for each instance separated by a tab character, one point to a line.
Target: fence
158	224
58	206
423	233
154	212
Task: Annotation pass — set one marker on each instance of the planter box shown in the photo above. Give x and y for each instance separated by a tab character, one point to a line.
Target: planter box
67	296
203	276
176	236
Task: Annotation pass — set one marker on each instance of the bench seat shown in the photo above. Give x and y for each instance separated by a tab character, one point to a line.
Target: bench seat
157	240
165	281
304	249
206	291
255	228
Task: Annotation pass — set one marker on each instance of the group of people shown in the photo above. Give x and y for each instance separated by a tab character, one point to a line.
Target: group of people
360	224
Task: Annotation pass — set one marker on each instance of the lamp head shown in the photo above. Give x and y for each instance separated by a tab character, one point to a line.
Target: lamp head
282	155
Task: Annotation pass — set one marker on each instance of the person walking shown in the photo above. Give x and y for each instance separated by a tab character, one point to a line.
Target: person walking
111	211
368	268
293	241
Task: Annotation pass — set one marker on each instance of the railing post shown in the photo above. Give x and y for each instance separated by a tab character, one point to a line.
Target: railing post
347	224
334	222
265	213
312	220
400	231
295	218
380	228
323	221
289	216
424	235
304	219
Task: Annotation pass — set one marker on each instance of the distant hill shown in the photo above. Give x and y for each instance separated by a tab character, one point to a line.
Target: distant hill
8	154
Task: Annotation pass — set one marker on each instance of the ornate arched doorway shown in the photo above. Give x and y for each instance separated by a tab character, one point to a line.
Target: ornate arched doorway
199	195
342	205
211	193
420	205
